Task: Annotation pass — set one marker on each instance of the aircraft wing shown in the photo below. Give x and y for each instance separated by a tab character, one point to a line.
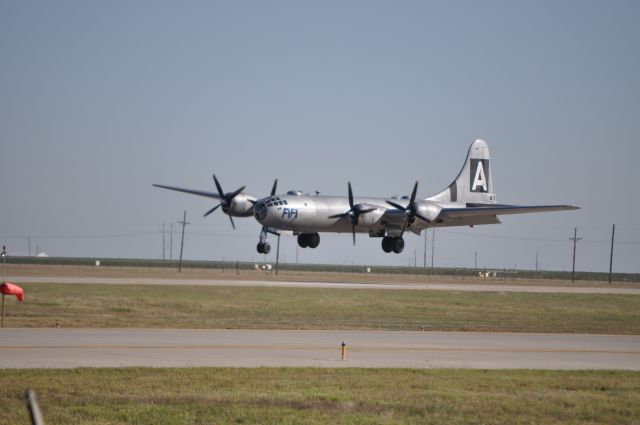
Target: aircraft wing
191	191
493	210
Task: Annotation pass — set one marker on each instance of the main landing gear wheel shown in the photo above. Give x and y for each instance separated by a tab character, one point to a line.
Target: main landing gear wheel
394	244
263	248
311	240
386	244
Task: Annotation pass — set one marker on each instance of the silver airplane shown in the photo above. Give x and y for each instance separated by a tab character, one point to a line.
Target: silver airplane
468	201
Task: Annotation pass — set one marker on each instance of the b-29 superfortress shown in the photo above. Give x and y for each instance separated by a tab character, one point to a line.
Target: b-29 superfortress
468	201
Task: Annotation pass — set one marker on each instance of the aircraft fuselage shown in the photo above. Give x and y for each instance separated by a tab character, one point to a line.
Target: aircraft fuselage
307	214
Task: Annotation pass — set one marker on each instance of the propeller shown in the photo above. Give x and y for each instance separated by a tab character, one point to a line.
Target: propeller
353	213
410	209
273	192
225	200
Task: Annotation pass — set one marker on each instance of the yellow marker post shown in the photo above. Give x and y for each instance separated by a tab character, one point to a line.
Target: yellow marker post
344	351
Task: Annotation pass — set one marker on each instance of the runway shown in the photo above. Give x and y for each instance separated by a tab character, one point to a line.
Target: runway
435	286
69	348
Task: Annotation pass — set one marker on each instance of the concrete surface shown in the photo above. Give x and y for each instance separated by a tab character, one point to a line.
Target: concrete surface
63	348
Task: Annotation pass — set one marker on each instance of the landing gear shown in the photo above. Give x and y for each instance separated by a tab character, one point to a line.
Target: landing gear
395	244
311	240
263	247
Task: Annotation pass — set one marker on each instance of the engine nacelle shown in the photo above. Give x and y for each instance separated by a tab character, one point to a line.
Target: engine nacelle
370	218
241	206
428	210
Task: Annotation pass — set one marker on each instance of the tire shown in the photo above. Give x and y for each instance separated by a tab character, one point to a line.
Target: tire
303	241
314	240
267	247
386	244
398	245
260	248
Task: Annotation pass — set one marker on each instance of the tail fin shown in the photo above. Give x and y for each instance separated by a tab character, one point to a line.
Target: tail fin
474	184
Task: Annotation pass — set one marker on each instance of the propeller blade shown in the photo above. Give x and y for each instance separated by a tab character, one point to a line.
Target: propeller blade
232	223
220	191
212	210
366	210
234	194
353	232
350	196
273	189
393	204
422	218
339	215
413	194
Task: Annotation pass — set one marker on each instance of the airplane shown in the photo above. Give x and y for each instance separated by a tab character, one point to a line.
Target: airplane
468	201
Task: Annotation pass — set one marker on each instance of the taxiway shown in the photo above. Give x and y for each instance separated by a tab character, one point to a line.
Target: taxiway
68	348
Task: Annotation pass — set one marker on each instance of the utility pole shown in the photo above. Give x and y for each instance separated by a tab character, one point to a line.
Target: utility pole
163	257
184	222
433	245
425	249
575	240
171	243
613	233
278	255
536	261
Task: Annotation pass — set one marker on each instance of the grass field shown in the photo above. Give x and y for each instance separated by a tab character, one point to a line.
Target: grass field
148	306
322	396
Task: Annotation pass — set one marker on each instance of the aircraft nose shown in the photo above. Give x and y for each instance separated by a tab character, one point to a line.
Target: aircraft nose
260	211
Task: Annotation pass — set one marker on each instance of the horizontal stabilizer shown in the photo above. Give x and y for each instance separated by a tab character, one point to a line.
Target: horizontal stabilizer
191	191
502	210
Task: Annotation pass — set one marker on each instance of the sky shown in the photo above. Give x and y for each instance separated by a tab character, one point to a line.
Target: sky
99	100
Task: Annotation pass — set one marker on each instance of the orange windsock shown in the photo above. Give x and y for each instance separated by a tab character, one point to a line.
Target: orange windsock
11	289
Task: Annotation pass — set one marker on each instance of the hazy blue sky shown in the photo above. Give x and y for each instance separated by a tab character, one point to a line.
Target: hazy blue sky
100	99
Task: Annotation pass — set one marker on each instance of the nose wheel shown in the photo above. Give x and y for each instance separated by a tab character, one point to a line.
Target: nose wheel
263	247
395	244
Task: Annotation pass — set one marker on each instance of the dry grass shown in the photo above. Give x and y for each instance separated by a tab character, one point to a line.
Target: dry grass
219	307
322	396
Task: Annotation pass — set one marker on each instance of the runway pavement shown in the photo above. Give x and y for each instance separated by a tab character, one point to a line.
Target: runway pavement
65	348
438	286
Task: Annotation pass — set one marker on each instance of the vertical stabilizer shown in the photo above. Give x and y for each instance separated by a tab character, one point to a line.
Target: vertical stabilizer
474	184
